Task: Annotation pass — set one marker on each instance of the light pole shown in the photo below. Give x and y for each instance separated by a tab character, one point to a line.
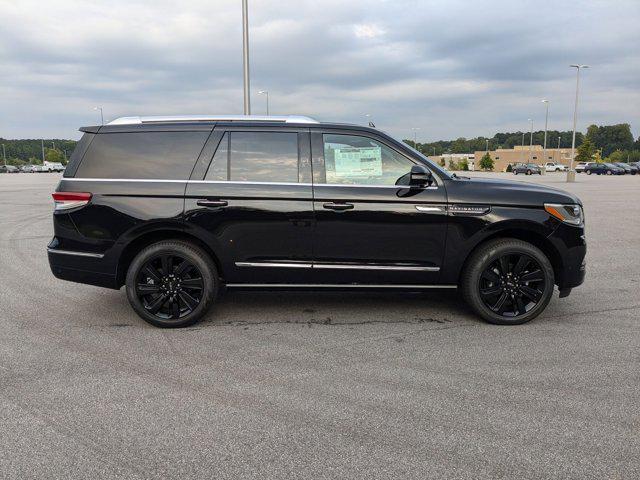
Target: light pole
559	156
245	56
522	152
570	173
530	139
4	155
101	114
546	122
42	145
264	92
487	146
415	137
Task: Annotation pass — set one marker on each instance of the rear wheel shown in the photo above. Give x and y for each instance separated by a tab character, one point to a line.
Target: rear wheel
171	283
609	172
515	172
588	172
508	281
528	172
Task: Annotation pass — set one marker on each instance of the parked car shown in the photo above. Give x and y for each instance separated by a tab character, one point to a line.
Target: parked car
28	169
52	167
627	167
9	169
603	169
581	166
554	167
526	168
278	203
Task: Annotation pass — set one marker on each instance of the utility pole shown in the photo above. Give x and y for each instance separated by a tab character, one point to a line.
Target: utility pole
571	173
559	157
415	137
245	56
42	145
4	155
546	122
522	151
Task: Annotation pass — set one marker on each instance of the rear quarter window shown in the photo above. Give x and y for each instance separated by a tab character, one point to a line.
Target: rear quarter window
144	155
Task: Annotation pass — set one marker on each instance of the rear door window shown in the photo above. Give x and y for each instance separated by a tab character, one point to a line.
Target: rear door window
270	157
143	155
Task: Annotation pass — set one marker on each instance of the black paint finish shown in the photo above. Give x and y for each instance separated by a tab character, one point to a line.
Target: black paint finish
313	232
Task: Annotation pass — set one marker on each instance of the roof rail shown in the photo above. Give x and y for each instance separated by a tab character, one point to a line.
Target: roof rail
212	118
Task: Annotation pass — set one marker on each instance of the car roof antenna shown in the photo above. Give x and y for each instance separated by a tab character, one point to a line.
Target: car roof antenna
372	125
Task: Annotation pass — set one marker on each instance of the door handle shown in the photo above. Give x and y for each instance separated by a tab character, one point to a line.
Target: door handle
212	203
338	206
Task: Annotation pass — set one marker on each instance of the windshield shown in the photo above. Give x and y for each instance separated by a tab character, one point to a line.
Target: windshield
431	163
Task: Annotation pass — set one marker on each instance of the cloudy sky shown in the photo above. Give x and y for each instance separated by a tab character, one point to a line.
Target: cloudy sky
449	68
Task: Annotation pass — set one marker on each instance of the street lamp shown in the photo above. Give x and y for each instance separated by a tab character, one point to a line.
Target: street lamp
530	139
559	156
487	149
546	122
571	173
4	155
245	56
415	136
264	92
101	114
522	151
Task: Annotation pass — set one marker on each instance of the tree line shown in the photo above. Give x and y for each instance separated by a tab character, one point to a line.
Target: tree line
20	152
614	143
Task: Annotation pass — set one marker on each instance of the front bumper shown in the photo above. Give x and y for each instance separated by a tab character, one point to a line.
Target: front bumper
571	245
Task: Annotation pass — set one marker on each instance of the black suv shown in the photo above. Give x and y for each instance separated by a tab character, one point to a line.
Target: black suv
176	208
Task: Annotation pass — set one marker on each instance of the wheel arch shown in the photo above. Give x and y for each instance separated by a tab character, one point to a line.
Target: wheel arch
143	240
519	233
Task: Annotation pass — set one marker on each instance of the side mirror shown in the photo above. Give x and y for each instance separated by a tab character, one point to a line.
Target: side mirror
420	177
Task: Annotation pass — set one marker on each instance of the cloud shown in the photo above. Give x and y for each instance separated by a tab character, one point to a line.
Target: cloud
453	68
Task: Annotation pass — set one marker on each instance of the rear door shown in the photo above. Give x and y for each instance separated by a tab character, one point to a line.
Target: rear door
253	203
370	227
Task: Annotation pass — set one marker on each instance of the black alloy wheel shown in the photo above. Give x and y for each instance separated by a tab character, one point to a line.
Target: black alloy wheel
169	286
171	283
507	281
512	285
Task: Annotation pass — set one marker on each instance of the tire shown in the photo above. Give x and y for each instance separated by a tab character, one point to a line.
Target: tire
157	280
515	172
588	172
528	172
609	172
483	286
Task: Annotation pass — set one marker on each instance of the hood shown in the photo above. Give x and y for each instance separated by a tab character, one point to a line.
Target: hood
505	192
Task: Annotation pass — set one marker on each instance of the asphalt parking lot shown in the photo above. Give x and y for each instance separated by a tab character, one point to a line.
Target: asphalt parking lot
320	385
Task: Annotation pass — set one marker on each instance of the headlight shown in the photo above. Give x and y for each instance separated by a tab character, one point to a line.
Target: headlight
571	214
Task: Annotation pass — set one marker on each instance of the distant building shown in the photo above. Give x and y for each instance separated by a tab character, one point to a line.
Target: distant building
519	154
454	157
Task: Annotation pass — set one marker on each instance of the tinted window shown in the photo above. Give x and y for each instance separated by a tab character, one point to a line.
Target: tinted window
155	155
264	156
218	167
356	160
78	153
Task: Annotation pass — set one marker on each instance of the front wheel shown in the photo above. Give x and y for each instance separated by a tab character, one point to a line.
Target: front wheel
507	281
528	172
171	283
588	172
515	172
609	172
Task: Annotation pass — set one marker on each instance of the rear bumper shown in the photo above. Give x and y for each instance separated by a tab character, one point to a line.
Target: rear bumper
81	267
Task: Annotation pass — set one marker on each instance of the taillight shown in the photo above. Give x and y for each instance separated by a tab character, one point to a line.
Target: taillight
67	200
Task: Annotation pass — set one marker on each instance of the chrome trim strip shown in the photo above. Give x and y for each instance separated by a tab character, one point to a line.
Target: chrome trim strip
148	180
77	254
137	120
435	187
242	182
333	285
274	264
337	266
422	208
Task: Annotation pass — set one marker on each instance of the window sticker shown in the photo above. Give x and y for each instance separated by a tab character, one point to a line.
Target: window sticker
358	162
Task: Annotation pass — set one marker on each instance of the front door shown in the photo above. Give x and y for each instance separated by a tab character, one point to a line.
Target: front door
253	204
371	228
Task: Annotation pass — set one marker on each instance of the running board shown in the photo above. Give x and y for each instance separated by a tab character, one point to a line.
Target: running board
334	285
